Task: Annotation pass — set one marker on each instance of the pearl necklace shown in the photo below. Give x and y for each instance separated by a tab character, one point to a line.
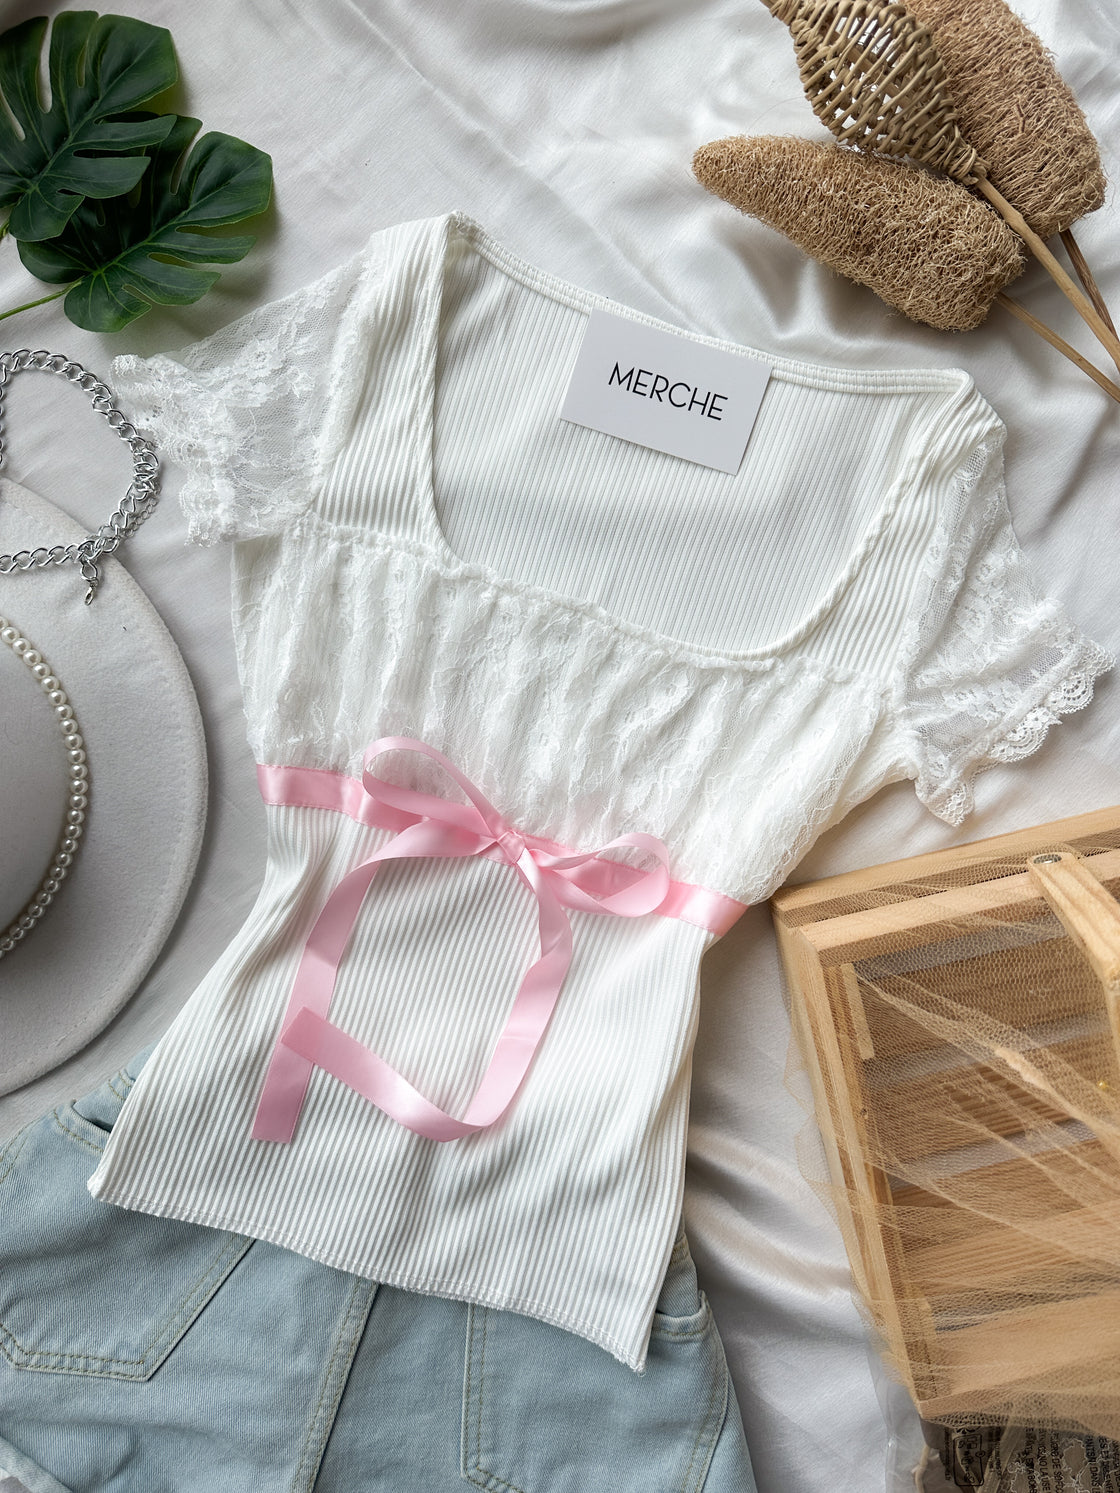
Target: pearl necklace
77	786
131	512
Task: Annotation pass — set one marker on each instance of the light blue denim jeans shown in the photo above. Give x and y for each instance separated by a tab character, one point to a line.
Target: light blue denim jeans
146	1355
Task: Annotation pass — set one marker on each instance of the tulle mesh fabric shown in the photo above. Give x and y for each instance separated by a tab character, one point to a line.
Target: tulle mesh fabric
968	1096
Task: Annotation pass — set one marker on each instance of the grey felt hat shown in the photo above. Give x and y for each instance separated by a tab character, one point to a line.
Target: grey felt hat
136	710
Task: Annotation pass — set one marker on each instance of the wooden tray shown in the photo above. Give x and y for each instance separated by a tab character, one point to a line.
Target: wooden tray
948	1300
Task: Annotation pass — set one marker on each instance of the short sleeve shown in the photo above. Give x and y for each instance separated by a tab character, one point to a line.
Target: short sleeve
255	411
989	663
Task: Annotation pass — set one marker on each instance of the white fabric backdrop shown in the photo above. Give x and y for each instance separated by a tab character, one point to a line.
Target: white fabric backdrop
567	130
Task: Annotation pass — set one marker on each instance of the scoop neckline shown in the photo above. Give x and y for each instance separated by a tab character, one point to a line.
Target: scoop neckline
815	375
956	384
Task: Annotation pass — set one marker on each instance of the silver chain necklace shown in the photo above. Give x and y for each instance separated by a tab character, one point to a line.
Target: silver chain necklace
137	503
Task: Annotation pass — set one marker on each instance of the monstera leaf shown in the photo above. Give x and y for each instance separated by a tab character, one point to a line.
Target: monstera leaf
99	66
148	249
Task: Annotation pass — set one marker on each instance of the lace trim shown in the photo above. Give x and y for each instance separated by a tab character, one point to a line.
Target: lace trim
437	559
955	802
254	412
572	724
988	664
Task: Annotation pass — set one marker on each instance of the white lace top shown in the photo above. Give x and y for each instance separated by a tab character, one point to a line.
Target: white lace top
606	640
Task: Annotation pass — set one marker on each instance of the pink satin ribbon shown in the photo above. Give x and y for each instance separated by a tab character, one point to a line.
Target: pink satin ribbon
428	825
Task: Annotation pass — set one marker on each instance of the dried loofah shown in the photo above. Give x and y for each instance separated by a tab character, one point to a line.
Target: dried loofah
922	243
1016	110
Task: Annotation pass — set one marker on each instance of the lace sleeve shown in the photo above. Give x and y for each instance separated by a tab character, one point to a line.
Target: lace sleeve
254	412
990	663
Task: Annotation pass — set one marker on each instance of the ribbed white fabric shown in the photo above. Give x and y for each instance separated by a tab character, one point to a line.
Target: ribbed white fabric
605	639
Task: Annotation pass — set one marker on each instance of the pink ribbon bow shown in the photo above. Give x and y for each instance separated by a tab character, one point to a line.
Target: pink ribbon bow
432	826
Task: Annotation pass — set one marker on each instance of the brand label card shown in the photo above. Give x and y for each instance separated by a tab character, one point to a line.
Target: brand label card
665	390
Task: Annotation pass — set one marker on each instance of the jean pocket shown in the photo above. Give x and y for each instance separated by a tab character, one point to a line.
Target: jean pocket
682	1311
87	1288
545	1411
